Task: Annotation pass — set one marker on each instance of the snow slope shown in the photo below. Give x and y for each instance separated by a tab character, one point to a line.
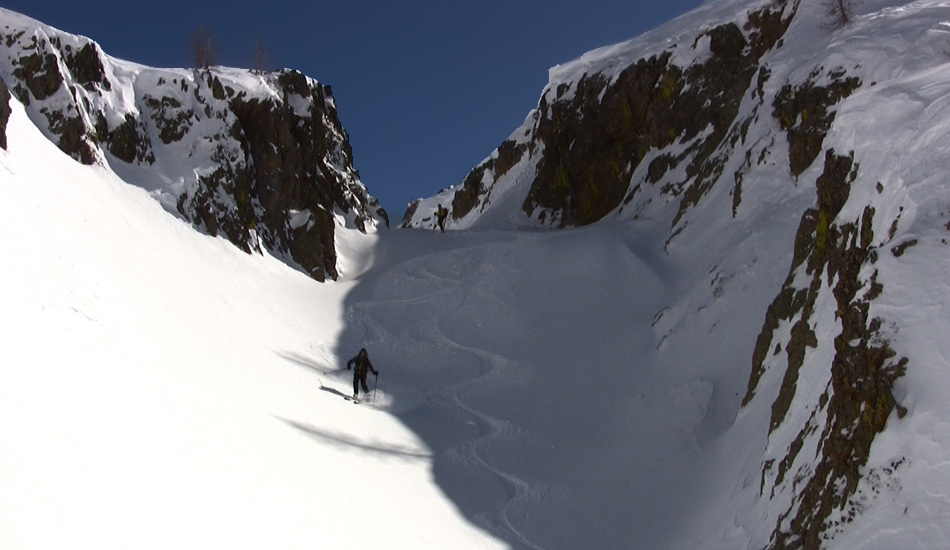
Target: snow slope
556	390
160	388
521	386
723	260
260	158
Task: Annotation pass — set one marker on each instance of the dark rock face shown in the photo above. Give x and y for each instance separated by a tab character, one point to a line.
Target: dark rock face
4	113
656	130
466	198
287	156
128	141
594	141
859	399
593	134
589	137
40	74
86	68
588	143
282	176
410	212
170	116
804	112
269	171
38	78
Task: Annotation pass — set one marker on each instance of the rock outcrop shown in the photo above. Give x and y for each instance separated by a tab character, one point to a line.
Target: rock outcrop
261	160
4	113
598	140
682	131
858	400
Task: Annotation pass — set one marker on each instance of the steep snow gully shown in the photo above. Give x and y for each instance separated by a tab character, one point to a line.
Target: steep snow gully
529	379
399	313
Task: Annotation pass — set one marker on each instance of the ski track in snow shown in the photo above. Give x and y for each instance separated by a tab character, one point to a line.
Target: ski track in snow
462	325
492	428
365	314
485	339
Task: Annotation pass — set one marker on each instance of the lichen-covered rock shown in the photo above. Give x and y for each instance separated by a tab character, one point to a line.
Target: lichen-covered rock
598	141
625	132
805	113
473	188
830	256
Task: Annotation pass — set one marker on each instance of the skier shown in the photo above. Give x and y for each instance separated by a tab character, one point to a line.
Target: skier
363	364
441	214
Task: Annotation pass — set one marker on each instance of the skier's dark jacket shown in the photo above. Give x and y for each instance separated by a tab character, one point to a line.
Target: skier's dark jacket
361	366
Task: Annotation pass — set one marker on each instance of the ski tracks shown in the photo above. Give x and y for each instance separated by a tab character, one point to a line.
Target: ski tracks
492	429
421	344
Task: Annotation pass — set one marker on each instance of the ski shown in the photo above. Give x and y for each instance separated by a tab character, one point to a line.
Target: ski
355	400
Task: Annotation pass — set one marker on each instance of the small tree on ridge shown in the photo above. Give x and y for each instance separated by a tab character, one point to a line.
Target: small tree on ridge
260	55
838	12
203	51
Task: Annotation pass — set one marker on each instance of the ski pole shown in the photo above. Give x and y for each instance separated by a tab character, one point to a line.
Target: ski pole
375	385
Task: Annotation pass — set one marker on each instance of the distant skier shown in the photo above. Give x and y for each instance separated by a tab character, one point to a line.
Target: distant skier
363	364
441	214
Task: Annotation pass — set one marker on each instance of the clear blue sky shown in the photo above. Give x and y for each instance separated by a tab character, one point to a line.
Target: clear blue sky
425	89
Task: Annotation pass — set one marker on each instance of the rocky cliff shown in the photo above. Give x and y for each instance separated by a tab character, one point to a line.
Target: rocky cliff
261	160
695	131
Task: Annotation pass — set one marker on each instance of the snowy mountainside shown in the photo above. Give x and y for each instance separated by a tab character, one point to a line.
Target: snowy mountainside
261	159
160	388
751	353
749	134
